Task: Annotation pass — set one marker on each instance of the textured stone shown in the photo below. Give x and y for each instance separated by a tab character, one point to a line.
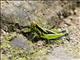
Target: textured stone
21	42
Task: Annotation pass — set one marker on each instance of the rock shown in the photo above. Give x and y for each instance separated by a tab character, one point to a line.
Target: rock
59	53
21	12
24	12
21	42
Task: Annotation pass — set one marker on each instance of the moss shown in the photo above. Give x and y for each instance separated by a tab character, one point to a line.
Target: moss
10	36
4	57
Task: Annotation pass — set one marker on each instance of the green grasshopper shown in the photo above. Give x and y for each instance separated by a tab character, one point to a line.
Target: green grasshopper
44	33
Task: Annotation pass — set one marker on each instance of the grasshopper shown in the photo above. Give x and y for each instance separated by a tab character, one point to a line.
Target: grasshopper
44	33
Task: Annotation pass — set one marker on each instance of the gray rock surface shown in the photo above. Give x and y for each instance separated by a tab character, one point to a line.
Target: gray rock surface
21	42
21	12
